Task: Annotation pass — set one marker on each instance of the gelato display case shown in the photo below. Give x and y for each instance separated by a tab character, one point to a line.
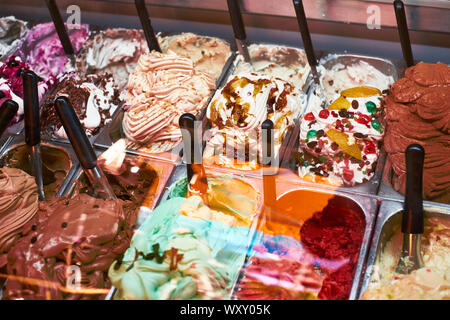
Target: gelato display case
293	184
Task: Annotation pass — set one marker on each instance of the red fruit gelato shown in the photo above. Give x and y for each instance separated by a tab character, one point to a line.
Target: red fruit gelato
336	233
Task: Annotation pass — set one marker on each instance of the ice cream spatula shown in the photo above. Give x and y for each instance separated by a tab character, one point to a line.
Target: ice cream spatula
147	26
238	29
306	37
269	178
412	219
402	26
32	128
268	153
192	152
83	148
7	112
61	29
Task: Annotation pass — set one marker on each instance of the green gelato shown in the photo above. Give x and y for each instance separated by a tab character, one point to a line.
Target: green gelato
176	257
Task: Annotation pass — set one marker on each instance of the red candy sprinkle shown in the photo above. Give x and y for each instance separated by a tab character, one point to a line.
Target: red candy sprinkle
348	174
334	114
369	147
309	116
363	119
324	114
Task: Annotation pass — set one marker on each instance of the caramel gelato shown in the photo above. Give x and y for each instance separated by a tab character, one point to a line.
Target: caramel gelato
237	112
418	111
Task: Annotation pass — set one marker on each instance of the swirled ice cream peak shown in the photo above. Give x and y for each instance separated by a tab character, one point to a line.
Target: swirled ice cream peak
160	90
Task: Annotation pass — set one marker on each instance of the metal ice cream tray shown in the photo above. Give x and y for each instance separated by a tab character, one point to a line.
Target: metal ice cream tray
389	67
16	140
366	206
164	170
227	77
390	217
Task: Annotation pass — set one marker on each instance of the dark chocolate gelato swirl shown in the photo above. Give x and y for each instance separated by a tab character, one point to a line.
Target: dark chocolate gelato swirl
94	99
418	111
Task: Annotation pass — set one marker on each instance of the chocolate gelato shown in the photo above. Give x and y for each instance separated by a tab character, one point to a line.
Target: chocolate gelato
67	248
94	99
56	164
18	205
418	111
135	182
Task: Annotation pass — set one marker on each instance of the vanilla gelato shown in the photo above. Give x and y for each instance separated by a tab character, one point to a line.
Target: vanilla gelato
341	77
430	282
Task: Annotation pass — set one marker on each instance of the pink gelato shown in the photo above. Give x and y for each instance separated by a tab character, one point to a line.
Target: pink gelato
11	84
43	51
163	87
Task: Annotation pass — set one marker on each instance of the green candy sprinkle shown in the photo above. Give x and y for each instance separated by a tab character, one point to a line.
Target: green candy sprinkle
376	125
322	159
371	107
311	134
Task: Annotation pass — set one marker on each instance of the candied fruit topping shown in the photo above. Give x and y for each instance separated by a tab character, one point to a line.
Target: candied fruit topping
361	92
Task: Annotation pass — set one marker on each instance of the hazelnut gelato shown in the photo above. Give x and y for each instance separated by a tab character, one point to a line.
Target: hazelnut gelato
208	54
56	164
